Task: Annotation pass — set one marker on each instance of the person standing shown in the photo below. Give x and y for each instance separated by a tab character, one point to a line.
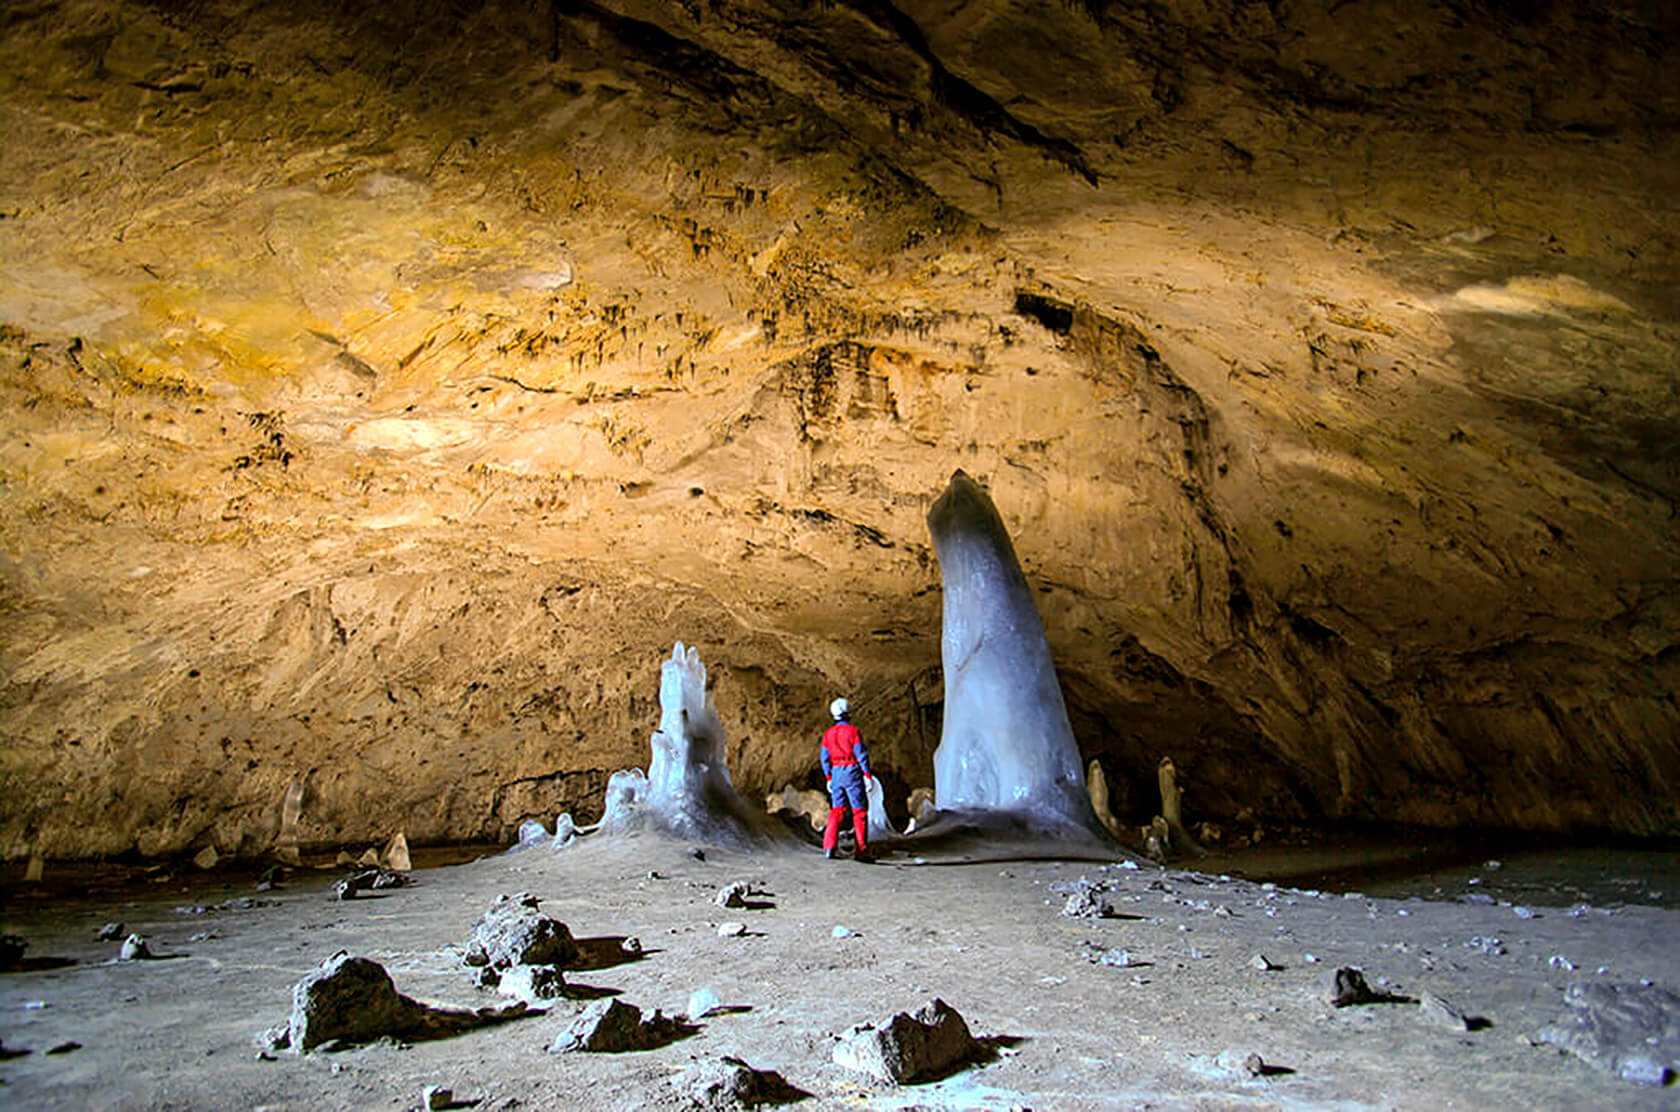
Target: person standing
845	765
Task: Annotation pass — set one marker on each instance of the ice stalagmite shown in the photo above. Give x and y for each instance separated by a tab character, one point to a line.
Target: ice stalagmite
879	827
687	791
1006	744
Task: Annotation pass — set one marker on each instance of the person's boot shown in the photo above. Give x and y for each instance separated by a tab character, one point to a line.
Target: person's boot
831	833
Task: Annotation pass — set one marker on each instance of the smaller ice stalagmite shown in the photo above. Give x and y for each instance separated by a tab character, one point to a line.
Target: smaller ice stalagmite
1006	745
686	791
879	827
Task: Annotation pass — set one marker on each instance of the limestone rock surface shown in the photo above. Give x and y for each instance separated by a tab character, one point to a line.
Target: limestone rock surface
380	383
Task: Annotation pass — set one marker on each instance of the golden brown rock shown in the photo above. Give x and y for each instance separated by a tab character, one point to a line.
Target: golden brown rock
382	387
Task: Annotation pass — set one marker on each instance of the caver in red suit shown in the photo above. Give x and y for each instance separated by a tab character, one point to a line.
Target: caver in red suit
845	765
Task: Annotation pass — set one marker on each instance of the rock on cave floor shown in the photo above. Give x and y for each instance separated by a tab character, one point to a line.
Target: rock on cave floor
1156	1005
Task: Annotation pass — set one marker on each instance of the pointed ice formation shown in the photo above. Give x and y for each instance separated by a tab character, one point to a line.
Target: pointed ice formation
1006	746
687	791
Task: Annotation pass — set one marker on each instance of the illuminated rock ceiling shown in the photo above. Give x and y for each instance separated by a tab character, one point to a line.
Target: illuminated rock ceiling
385	393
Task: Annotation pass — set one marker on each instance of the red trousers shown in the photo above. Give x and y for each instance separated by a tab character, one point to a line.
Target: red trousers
860	824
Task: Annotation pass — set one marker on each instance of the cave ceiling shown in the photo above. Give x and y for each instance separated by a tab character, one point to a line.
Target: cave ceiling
386	388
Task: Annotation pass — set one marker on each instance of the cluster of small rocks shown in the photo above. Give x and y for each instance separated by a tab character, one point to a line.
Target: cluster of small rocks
351	1000
1633	1031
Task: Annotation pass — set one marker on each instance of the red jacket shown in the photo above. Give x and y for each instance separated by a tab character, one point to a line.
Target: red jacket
842	746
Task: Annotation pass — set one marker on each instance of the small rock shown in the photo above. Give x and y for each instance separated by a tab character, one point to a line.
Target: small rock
532	982
1522	912
65	1047
134	948
730	1082
12	948
1346	986
369	859
1443	1013
348	998
610	1026
377	879
271	877
1638	1070
396	854
731	929
352	1000
631	945
110	932
1087	902
840	931
434	1097
697	853
207	857
1115	957
515	932
531	833
701	1003
1254	1065
1558	961
909	1047
733	895
1261	963
272	1039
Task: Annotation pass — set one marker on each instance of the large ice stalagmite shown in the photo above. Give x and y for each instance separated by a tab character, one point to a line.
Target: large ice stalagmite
1006	744
687	791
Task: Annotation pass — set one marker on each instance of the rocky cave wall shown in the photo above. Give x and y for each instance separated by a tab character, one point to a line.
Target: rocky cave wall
384	392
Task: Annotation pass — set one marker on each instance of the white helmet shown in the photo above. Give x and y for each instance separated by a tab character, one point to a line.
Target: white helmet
838	708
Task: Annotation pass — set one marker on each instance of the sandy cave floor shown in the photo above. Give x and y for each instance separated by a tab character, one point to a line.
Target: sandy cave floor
988	937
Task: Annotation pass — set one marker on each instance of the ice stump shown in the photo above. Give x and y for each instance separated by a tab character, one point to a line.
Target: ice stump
1006	747
687	792
878	827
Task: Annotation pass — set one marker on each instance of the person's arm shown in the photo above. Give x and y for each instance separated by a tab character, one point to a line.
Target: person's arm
828	769
862	756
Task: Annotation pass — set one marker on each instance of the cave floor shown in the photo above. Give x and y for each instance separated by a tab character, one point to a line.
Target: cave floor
1168	1030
